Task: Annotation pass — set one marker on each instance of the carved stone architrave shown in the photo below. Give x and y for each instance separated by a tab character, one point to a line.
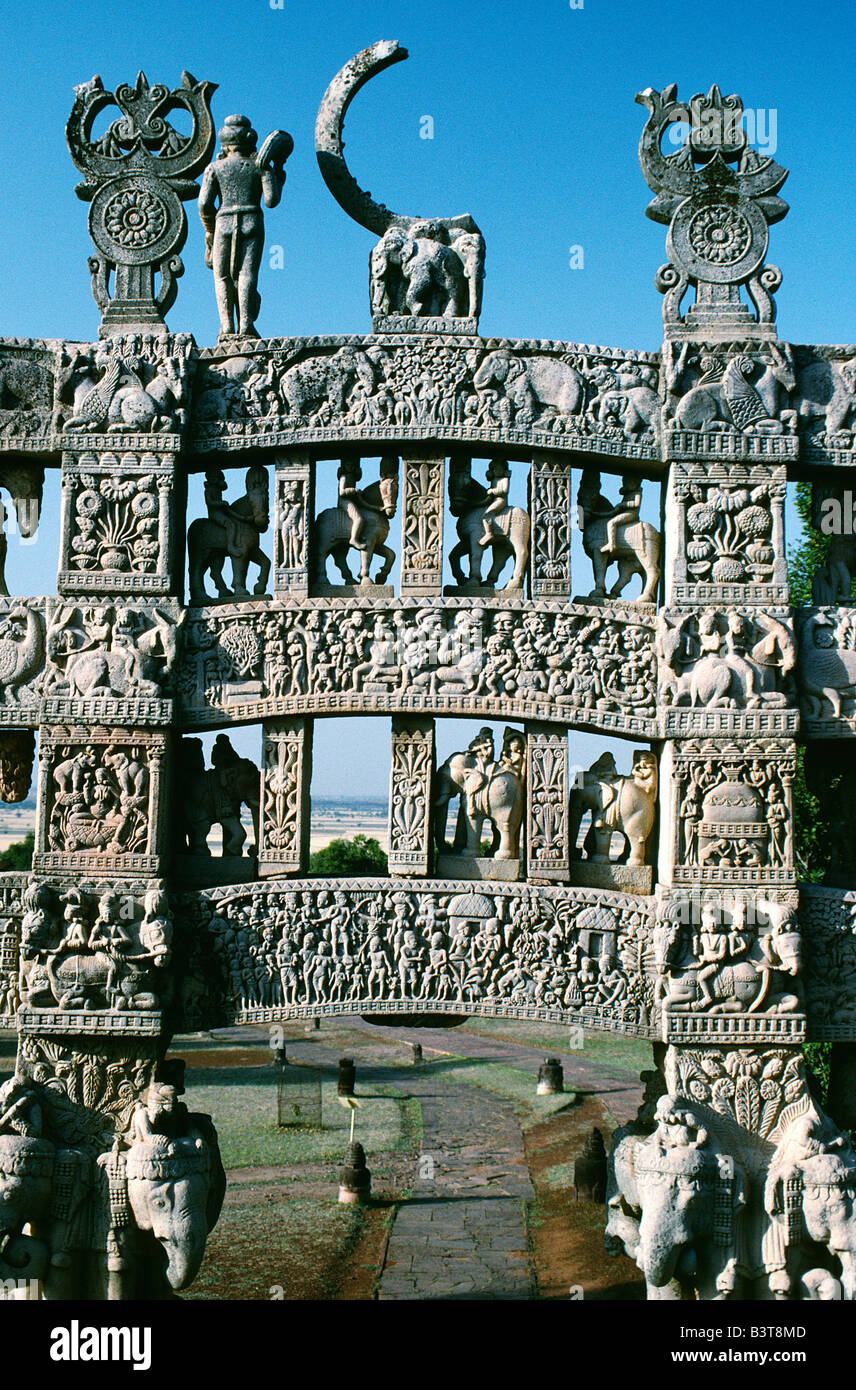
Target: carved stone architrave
286	778
422	527
548	846
586	664
725	528
101	801
117	524
550	507
729	812
294	508
270	951
411	773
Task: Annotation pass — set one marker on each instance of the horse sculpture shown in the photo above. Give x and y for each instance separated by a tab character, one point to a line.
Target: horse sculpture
506	533
231	530
626	805
635	547
333	531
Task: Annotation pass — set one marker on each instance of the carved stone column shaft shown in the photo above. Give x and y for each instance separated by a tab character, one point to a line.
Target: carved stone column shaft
286	777
411	773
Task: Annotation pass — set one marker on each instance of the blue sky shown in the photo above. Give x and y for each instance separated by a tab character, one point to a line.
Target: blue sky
535	134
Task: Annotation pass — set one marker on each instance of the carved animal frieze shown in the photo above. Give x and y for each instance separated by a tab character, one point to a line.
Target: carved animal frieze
562	395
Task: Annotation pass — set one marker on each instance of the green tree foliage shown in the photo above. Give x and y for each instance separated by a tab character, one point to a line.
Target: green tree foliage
342	858
19	855
811	830
805	559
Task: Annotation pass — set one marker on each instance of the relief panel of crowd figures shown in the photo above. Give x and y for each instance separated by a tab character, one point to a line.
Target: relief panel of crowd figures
558	395
101	800
729	967
580	664
732	811
727	535
117	532
726	671
337	946
731	1182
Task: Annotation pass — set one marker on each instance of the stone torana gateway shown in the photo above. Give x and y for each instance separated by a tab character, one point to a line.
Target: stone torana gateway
654	895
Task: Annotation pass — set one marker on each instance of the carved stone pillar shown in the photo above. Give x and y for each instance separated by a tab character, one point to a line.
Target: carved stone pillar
286	776
411	772
550	502
293	511
422	527
548	848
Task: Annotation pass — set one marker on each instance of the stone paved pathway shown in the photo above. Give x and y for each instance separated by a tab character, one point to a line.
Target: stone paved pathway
462	1235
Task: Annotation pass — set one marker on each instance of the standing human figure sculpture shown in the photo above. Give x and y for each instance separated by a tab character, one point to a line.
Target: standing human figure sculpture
234	228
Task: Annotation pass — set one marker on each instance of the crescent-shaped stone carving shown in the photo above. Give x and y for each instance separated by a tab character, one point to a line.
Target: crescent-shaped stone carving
329	143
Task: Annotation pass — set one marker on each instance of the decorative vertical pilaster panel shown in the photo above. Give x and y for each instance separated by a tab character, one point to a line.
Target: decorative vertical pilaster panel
550	501
547	837
422	527
411	773
293	512
117	524
286	776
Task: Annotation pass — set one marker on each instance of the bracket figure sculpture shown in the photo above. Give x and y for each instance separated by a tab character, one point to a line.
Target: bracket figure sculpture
626	805
360	520
422	268
234	230
616	535
214	796
485	520
231	529
488	790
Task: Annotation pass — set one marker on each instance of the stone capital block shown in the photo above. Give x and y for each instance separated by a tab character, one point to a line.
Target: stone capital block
725	535
728	813
286	778
410	781
102	801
